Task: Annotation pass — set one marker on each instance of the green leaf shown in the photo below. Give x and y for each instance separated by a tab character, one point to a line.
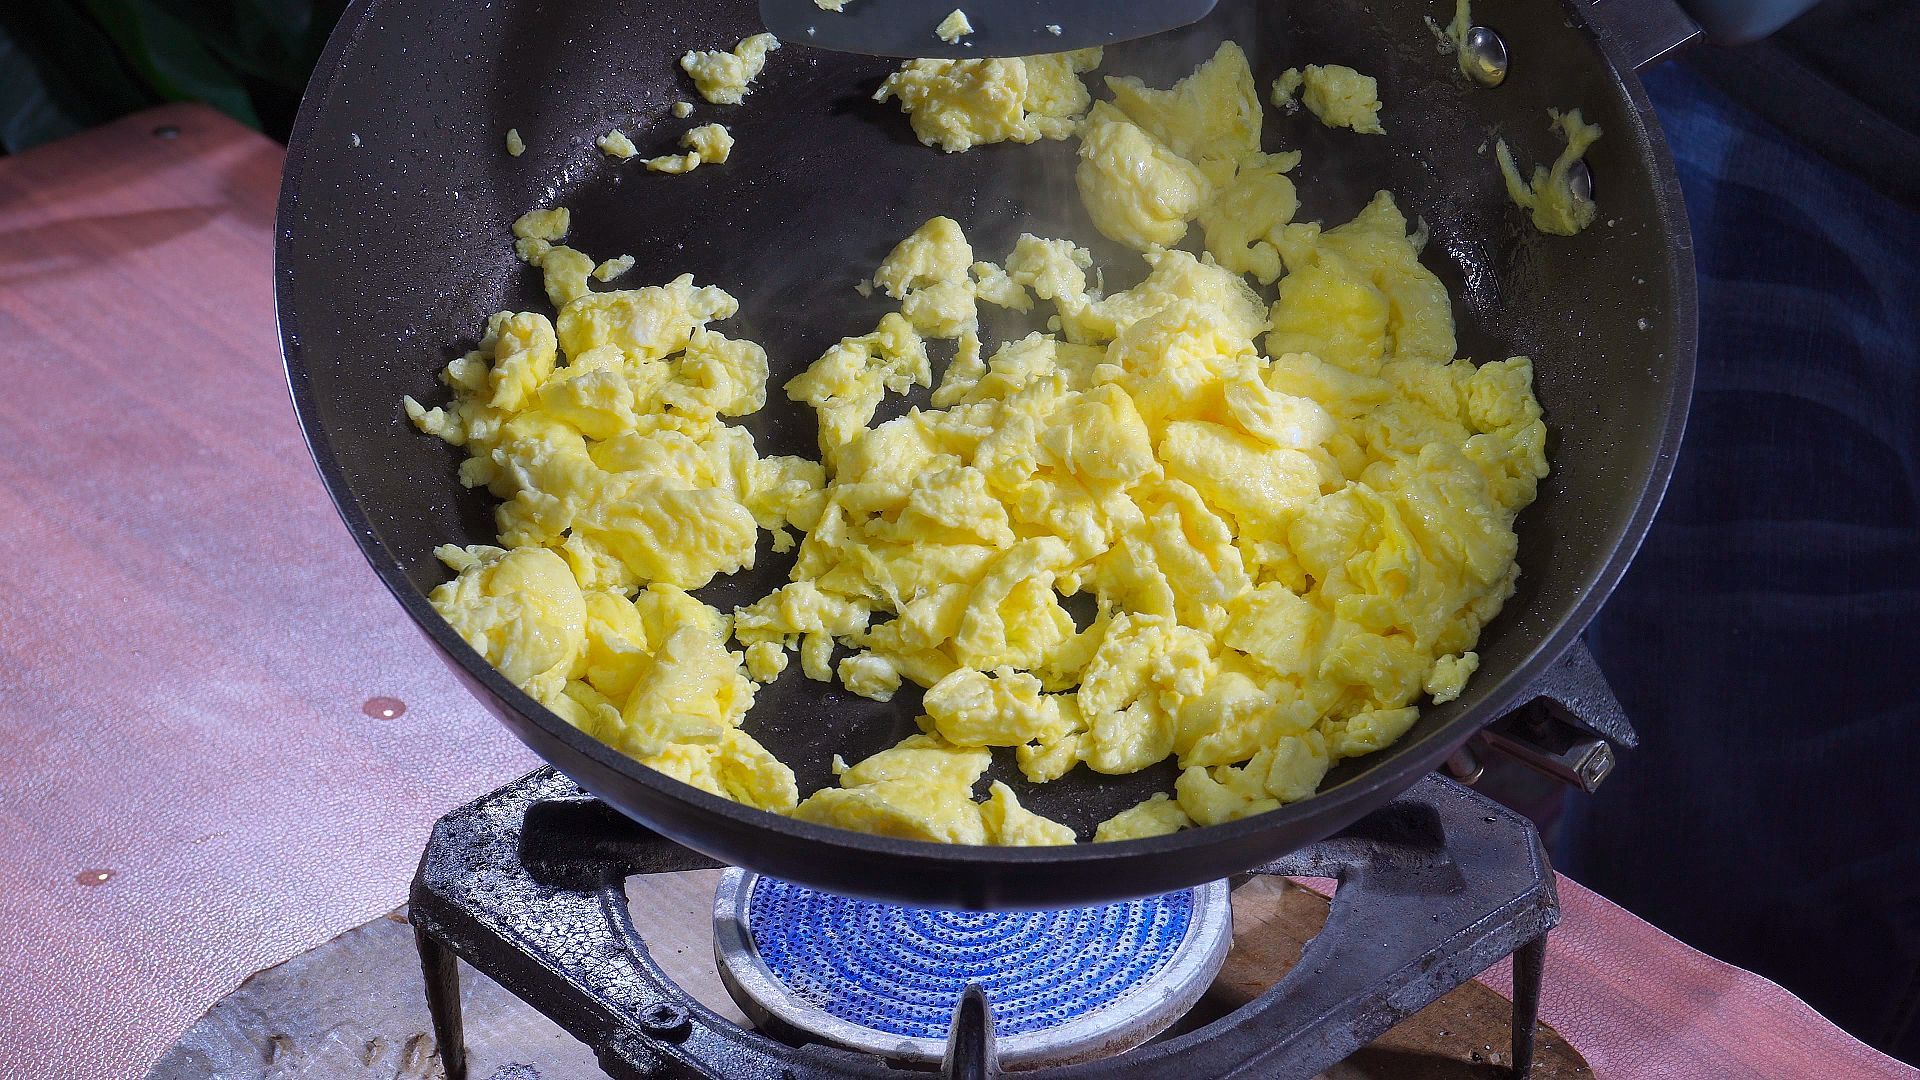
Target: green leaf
58	74
170	58
30	114
273	41
66	65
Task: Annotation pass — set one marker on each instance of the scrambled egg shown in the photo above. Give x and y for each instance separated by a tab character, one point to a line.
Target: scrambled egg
1157	816
601	432
616	145
954	27
725	78
1550	200
1152	160
1288	501
515	144
1452	38
1286	91
959	104
1456	33
706	144
920	790
613	268
1338	96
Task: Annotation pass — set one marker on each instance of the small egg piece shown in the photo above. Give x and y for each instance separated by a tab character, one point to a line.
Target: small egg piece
954	27
1449	676
748	773
515	144
546	225
708	144
1243	221
1012	825
1136	189
1295	765
1212	117
930	273
734	767
521	609
691	691
870	676
920	789
765	661
1550	200
972	708
1454	36
1225	793
1286	90
726	78
959	104
682	109
1157	816
616	145
613	268
847	383
564	273
1339	96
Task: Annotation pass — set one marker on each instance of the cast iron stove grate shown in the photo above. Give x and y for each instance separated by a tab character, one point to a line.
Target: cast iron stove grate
526	885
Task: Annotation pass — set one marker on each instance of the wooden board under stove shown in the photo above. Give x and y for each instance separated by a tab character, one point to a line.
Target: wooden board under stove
1466	1034
354	1006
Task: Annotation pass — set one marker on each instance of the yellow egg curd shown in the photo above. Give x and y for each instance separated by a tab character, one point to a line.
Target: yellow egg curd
1337	96
726	77
954	27
959	104
1549	198
1286	501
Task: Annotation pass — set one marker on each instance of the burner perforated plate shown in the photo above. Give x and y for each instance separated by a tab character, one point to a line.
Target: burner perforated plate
1064	985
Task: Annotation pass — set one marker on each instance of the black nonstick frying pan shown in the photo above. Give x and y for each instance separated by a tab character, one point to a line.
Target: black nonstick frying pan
393	248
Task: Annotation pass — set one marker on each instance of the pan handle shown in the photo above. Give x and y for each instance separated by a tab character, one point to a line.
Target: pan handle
1567	728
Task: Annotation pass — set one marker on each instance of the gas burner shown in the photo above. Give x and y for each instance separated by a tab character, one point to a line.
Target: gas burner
1063	986
526	885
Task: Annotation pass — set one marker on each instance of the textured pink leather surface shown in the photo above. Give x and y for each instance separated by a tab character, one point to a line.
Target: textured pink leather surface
1638	1003
187	633
188	638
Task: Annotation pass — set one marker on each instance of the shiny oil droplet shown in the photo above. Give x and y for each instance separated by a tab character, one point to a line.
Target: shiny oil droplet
384	708
90	878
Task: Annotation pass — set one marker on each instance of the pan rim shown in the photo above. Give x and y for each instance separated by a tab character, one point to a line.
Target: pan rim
1328	810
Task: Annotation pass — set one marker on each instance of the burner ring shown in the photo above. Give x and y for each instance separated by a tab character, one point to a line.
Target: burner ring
1065	986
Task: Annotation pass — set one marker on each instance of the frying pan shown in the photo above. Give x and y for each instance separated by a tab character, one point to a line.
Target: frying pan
393	247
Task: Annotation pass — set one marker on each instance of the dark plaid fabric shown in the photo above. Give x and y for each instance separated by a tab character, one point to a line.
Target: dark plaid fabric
1767	640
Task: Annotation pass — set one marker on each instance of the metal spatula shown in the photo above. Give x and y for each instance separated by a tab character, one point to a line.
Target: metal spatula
1000	27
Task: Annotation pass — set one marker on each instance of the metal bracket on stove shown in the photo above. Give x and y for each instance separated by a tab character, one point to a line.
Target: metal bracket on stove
1403	870
584	844
970	1054
1569	726
525	884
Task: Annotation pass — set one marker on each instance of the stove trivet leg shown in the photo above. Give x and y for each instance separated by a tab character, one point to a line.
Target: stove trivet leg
1529	964
441	970
970	1052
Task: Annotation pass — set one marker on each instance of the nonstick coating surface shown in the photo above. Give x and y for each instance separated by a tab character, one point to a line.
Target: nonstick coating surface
393	248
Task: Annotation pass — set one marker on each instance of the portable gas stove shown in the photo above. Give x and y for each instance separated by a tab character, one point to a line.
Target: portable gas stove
525	885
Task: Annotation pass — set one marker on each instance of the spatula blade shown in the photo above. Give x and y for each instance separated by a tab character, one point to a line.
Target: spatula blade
1000	27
